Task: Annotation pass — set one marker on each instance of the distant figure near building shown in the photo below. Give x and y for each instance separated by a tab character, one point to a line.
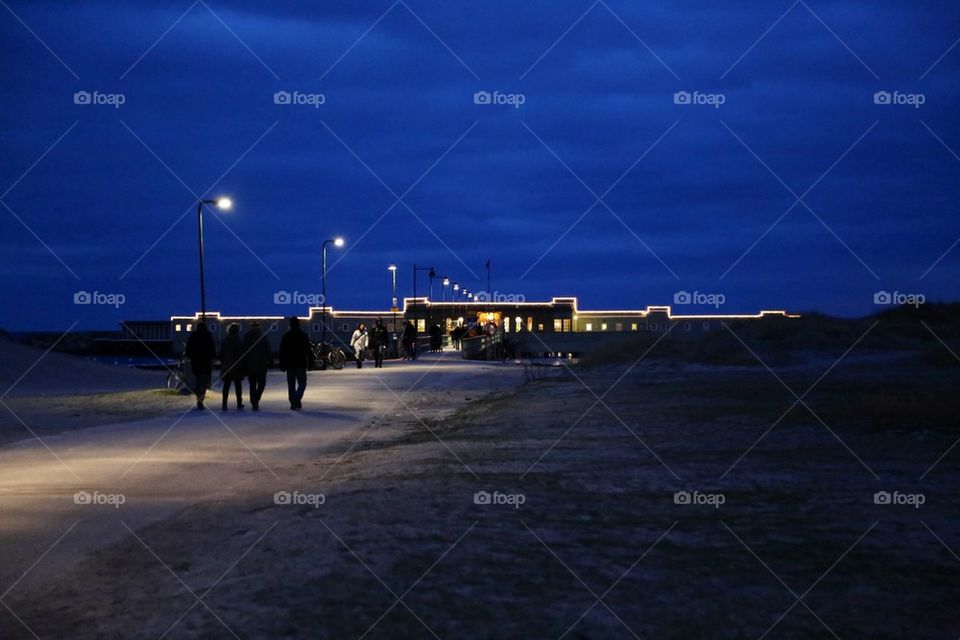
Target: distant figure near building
378	342
294	360
201	352
257	356
436	338
410	340
232	366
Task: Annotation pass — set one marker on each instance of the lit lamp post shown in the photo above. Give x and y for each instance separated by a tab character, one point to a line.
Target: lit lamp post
337	242
443	299
224	204
456	298
393	307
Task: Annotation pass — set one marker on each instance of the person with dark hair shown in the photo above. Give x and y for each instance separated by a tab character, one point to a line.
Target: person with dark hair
201	351
378	342
295	357
232	364
258	357
436	337
359	342
410	340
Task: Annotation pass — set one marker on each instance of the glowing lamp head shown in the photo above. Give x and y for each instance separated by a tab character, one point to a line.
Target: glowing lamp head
338	242
446	282
224	204
392	267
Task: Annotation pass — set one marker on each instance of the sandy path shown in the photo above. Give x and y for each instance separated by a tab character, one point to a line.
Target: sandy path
164	465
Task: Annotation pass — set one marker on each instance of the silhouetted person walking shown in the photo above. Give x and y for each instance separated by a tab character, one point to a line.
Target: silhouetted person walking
410	340
258	357
378	342
359	342
436	338
294	360
231	364
201	352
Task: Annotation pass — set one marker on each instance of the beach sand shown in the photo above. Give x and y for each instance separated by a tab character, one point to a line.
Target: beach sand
599	546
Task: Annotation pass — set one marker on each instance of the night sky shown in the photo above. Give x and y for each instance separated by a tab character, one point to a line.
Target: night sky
797	192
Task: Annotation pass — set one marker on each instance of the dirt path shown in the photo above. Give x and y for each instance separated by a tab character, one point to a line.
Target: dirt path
162	466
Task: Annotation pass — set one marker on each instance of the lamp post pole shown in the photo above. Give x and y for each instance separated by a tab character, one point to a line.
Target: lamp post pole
224	204
337	242
432	273
393	307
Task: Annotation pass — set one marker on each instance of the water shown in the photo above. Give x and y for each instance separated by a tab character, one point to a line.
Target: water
140	362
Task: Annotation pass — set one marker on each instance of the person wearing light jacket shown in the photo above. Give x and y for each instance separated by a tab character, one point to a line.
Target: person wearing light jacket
359	342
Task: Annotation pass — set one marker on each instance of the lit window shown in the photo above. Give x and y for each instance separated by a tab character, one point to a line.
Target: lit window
179	328
189	327
518	324
588	326
557	325
539	326
603	327
529	323
421	325
633	326
567	324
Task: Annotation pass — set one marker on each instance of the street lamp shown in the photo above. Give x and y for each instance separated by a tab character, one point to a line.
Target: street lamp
337	242
224	204
393	307
432	274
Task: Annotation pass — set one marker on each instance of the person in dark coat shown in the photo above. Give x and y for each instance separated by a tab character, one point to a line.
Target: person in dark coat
201	352
378	342
295	357
258	357
436	338
232	366
410	340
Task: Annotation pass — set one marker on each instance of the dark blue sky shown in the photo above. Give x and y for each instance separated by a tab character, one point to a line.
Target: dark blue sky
110	206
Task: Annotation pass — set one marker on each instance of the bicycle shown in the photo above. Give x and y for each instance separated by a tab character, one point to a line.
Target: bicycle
326	355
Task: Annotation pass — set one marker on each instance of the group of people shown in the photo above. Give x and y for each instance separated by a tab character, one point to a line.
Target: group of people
376	339
249	357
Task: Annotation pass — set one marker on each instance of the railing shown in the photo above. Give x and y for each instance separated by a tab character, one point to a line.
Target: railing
482	347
